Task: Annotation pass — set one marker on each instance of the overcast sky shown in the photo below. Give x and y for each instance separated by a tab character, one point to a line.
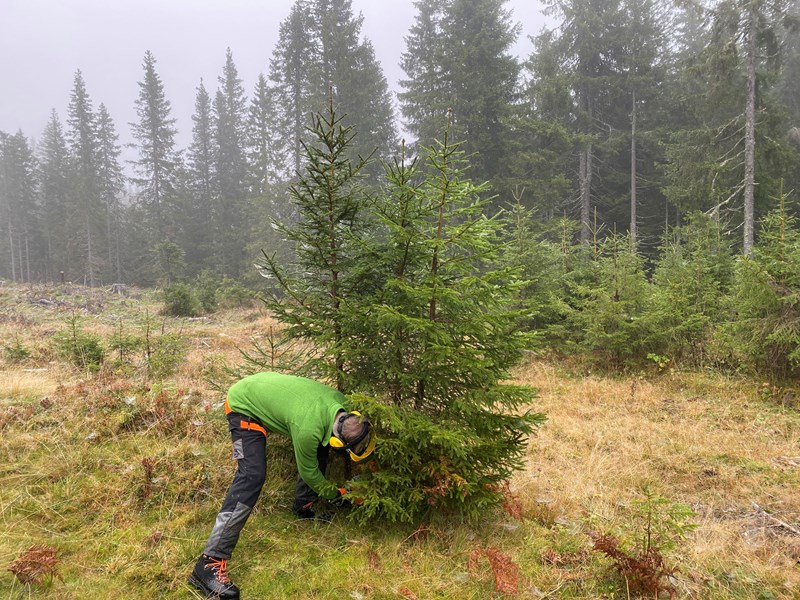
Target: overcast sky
43	43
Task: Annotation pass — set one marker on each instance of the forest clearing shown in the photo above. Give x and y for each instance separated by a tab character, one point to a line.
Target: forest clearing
555	274
109	478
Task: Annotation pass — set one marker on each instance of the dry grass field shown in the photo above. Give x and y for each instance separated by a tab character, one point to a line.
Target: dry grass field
726	448
118	473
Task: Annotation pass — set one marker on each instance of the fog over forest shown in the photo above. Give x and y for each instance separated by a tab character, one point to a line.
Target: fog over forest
154	144
43	43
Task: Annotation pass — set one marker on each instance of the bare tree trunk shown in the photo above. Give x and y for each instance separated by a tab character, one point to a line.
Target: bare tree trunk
20	260
633	170
750	137
48	236
89	254
585	174
112	225
11	249
109	243
25	248
116	250
48	273
27	259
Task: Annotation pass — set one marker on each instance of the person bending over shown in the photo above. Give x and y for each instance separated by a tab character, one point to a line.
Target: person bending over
313	416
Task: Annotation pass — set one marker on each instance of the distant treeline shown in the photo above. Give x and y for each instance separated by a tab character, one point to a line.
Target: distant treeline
626	117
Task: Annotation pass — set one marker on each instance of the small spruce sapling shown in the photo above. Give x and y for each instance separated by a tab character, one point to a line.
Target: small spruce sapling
541	262
84	350
162	353
16	352
656	527
692	275
609	297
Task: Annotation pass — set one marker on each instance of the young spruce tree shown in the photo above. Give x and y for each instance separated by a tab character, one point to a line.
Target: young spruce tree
329	203
430	343
764	332
690	282
409	303
610	297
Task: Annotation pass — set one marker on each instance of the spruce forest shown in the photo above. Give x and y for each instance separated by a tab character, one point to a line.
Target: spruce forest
565	289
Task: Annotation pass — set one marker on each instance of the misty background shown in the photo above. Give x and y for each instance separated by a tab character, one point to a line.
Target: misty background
625	117
43	43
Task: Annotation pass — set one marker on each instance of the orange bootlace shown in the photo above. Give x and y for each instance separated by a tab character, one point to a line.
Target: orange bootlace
220	567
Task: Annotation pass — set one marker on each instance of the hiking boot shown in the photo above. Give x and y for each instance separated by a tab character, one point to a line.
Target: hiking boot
210	576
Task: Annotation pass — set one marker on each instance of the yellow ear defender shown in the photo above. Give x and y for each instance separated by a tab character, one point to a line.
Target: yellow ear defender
337	443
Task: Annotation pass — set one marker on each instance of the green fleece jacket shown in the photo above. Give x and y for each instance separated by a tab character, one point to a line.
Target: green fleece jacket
300	408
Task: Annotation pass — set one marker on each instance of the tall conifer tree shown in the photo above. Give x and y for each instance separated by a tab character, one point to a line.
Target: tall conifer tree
54	179
351	73
482	73
9	266
200	186
543	139
158	161
292	66
86	218
111	182
424	101
267	199
320	55
645	59
731	153
263	156
754	26
458	58
19	206
588	48
230	169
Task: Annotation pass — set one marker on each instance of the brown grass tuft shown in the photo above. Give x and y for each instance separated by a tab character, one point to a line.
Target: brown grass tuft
22	384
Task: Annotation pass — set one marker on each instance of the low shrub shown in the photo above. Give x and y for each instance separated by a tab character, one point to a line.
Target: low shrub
206	286
180	301
233	294
16	352
79	348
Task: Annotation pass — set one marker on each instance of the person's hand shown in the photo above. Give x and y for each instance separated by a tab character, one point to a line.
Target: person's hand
340	499
349	501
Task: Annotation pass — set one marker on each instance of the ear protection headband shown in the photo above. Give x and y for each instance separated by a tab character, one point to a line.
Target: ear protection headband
336	441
